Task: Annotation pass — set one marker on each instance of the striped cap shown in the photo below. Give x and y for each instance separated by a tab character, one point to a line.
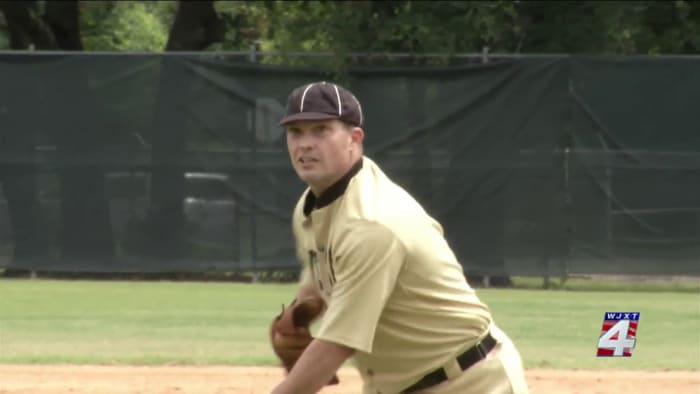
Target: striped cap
323	101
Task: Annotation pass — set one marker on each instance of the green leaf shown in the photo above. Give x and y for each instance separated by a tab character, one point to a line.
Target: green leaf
126	25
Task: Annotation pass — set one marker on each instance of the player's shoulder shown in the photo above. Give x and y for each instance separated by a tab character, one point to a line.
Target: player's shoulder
363	225
377	197
298	212
363	232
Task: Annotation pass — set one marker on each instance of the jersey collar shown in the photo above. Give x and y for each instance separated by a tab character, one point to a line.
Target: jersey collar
332	193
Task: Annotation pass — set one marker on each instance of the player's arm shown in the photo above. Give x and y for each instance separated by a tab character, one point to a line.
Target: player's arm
306	286
315	367
366	271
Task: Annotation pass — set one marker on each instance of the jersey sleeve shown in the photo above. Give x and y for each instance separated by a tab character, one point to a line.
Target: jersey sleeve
366	265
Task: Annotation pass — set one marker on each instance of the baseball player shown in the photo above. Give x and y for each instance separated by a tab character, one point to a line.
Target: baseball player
396	299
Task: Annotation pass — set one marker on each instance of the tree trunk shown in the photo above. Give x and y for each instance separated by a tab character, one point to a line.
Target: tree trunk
196	26
63	18
26	27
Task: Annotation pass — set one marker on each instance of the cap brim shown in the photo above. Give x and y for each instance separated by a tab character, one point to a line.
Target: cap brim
307	116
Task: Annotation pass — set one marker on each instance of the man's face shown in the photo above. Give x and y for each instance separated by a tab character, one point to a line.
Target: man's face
322	151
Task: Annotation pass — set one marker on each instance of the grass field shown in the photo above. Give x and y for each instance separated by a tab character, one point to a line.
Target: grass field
114	322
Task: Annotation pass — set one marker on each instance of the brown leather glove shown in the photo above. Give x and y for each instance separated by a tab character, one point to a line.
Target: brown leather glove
289	331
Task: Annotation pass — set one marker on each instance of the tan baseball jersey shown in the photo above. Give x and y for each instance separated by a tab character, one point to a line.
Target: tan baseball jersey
395	291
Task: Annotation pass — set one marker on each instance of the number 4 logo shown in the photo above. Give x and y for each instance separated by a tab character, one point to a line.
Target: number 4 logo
619	334
616	338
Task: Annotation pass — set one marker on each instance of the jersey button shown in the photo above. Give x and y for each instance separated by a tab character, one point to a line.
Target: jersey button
370	372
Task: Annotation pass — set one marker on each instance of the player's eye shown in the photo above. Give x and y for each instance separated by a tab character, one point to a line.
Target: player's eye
320	129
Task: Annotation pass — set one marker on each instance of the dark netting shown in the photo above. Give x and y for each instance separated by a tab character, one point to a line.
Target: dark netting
636	172
542	165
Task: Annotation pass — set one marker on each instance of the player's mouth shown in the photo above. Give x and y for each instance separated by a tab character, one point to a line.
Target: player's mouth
307	160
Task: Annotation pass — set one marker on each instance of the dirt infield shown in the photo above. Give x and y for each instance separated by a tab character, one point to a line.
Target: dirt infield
22	379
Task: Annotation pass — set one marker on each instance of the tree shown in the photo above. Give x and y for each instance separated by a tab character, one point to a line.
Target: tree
245	24
25	26
126	25
610	27
595	27
413	27
450	27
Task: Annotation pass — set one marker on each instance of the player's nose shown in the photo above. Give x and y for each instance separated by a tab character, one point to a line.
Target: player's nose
305	141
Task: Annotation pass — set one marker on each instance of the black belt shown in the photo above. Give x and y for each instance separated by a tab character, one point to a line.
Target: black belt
465	360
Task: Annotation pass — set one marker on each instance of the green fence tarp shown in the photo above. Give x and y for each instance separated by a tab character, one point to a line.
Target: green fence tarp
542	165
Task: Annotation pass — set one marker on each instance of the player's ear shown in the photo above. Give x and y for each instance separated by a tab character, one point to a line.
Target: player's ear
357	135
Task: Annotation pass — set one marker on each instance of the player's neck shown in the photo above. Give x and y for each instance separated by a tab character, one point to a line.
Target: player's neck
348	172
319	188
325	195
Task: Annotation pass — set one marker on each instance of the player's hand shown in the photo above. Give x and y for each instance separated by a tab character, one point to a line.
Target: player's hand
289	331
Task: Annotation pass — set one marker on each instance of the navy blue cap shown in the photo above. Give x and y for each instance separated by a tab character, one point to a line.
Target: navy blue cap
322	101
